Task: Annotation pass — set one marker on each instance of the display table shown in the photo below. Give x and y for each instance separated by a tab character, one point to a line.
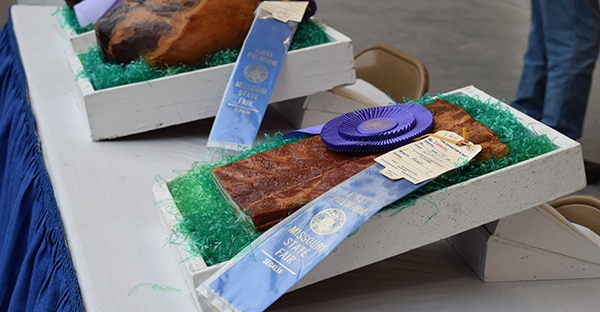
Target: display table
120	252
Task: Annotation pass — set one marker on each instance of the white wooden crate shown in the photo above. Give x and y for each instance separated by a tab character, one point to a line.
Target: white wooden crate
439	215
158	103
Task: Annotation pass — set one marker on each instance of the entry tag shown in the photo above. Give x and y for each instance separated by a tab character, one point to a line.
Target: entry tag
428	158
286	11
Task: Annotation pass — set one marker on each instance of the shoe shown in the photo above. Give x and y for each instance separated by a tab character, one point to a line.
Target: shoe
592	172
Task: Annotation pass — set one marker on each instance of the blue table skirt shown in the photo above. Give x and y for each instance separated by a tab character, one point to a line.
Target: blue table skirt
36	272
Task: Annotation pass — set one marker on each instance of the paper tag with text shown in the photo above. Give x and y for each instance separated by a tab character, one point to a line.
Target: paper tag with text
286	11
427	158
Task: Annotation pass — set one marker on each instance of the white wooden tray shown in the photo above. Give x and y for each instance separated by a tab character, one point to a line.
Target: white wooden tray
439	215
158	103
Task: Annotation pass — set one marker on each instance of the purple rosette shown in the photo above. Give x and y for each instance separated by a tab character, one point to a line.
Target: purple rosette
376	129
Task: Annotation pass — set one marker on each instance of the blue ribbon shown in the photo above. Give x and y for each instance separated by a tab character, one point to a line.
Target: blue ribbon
284	254
249	89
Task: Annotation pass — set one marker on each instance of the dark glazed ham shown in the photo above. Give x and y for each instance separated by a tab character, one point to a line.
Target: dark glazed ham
172	32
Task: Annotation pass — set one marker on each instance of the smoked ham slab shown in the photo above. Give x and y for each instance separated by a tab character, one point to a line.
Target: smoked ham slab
271	185
451	117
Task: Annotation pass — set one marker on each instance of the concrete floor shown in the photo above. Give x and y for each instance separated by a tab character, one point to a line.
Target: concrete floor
462	42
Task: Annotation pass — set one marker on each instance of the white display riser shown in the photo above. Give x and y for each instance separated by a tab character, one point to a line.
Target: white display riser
536	244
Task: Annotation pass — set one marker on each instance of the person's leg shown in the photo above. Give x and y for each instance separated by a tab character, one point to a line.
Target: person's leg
530	92
572	31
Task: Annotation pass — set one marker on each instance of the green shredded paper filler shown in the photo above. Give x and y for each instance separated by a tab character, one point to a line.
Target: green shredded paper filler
212	230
